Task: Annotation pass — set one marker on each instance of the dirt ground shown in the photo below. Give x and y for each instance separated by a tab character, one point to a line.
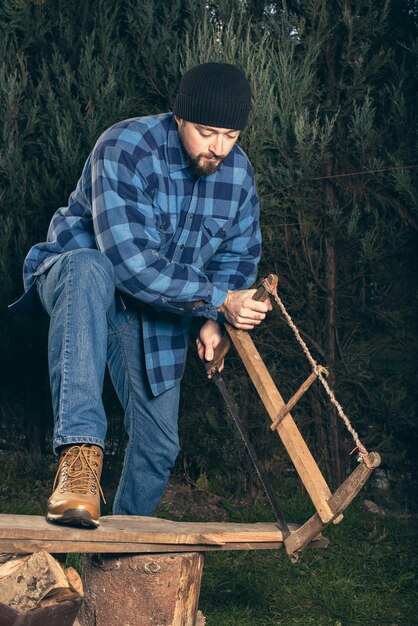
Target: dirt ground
185	502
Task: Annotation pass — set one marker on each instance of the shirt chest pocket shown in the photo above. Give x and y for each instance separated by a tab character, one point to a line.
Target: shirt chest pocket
217	228
214	232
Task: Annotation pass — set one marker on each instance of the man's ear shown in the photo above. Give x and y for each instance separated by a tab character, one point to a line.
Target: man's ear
180	122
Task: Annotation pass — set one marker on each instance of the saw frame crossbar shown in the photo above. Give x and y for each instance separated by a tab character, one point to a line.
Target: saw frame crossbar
329	506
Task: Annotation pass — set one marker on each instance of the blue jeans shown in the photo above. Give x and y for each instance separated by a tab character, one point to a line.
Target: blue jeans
90	326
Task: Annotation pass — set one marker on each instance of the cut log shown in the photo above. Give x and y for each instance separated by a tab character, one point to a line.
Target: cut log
4	557
35	591
74	580
61	594
156	588
9	567
29	579
62	614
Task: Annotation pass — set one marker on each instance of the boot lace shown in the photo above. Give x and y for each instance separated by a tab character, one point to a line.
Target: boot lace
77	471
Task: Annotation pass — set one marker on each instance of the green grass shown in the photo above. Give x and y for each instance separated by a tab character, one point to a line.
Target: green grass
366	577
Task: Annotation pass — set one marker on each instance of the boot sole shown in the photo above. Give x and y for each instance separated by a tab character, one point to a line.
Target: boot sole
74	517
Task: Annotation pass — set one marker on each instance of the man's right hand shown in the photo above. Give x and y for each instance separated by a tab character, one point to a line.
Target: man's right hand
242	311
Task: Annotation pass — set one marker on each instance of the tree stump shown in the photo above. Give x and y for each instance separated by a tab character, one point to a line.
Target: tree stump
141	590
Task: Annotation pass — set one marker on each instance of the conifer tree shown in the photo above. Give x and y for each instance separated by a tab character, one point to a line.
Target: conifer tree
337	225
68	71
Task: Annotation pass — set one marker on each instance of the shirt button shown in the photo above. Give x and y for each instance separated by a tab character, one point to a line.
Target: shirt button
181	246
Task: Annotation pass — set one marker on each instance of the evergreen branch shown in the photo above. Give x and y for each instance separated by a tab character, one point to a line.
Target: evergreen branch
362	172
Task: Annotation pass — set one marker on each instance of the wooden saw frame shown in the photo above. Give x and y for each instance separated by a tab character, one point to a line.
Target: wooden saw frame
329	506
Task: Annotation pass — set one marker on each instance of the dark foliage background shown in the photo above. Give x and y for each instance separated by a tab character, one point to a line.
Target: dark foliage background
332	139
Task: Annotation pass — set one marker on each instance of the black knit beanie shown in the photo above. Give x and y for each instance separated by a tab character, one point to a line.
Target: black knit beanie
214	94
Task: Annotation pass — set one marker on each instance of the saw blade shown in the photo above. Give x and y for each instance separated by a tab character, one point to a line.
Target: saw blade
281	522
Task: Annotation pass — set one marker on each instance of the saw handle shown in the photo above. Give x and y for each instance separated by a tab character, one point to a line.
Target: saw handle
223	348
262	294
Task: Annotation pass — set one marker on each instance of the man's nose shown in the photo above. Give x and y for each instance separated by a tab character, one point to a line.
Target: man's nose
217	145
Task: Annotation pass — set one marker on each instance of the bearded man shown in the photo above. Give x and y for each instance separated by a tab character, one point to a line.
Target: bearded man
162	226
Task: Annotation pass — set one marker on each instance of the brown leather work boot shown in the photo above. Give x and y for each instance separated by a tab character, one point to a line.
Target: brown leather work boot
76	497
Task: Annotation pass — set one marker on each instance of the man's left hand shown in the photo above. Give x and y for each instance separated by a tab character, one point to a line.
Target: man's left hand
209	338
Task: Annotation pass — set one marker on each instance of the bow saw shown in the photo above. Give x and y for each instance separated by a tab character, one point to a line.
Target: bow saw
329	506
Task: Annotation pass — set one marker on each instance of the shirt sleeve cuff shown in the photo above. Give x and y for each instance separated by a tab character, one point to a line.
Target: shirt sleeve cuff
218	297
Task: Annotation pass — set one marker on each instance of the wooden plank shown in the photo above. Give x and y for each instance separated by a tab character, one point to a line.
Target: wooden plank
22	534
289	433
132	529
339	501
25	546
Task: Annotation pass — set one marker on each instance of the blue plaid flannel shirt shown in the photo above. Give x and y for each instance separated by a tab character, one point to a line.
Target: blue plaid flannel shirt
177	243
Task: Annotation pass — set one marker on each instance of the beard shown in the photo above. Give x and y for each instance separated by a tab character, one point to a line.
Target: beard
202	164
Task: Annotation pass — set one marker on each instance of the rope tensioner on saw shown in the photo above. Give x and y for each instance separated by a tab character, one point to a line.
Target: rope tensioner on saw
329	506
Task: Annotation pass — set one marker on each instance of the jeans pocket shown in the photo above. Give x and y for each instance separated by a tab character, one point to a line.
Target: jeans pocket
120	315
